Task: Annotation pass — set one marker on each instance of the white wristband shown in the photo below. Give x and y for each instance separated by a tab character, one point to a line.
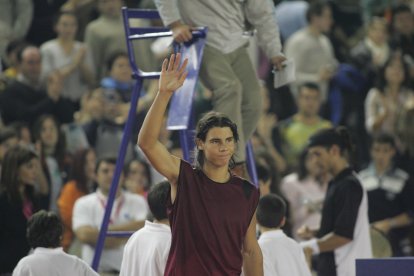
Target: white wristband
313	244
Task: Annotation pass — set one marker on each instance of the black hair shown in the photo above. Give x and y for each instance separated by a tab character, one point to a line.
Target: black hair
381	81
271	211
302	170
7	133
105	159
333	136
78	172
44	229
384	138
9	180
263	172
309	85
113	57
207	122
18	126
316	9
157	200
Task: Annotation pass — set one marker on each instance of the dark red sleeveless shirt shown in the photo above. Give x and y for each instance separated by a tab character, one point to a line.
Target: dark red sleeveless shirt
209	221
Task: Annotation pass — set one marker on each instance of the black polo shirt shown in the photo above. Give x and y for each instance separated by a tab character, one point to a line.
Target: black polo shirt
339	214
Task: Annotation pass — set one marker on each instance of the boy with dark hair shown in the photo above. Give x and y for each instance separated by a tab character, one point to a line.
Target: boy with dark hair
281	254
390	192
146	251
44	233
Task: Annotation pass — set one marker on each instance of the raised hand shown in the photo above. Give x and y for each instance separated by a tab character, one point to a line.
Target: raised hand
172	74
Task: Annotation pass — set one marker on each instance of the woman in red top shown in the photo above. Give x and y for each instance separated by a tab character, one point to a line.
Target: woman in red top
211	211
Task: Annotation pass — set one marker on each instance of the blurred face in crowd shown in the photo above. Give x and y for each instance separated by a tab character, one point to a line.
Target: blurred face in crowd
394	73
137	179
31	64
324	21
27	172
309	101
110	8
312	167
66	26
382	155
49	133
404	23
121	70
6	145
377	31
104	175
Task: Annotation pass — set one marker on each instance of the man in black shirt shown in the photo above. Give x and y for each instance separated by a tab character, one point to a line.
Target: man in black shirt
344	231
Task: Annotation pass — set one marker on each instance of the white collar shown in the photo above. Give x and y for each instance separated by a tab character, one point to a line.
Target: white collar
273	234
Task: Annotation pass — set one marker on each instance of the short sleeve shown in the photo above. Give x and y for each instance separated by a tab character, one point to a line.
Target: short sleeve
81	214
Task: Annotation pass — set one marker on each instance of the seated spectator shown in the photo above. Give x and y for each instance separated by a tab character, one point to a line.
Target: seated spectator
50	144
305	191
128	214
291	135
371	53
81	183
25	99
44	231
390	194
138	177
23	134
406	138
18	201
146	251
68	57
281	254
312	51
384	101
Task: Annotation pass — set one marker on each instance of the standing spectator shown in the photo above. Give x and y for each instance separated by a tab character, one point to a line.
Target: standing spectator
226	68
106	35
311	49
128	214
281	255
384	101
203	198
291	135
70	58
82	182
344	232
146	251
18	202
44	231
15	19
390	194
25	99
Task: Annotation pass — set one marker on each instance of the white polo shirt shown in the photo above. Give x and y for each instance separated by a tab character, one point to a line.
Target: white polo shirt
146	251
282	255
47	261
89	211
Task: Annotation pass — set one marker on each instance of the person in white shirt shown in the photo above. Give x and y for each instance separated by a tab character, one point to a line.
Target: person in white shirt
281	254
44	233
146	252
128	214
